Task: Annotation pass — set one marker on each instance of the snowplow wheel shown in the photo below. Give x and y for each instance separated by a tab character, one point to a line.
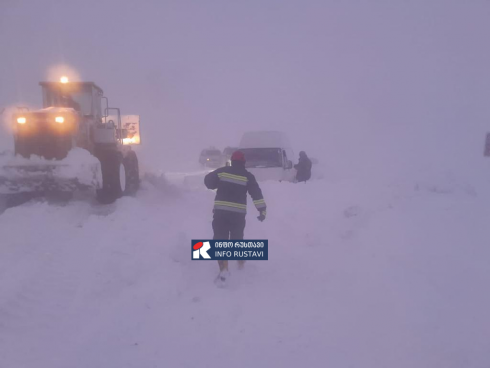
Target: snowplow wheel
132	174
113	177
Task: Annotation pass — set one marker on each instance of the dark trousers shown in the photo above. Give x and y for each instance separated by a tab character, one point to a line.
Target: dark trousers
300	176
228	225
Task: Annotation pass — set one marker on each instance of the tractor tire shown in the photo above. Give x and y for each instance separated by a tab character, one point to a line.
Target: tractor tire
113	177
132	174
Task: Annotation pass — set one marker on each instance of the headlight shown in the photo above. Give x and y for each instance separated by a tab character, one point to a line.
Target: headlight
21	120
60	119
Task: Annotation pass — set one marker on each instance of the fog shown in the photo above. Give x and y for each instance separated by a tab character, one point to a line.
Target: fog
379	85
379	260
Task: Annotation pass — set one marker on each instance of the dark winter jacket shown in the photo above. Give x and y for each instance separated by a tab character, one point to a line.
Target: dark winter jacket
233	182
303	167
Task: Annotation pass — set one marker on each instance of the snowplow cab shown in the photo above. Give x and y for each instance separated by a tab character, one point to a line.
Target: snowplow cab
83	97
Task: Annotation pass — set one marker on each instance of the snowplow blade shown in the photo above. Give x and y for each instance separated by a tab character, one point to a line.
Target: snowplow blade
41	176
37	179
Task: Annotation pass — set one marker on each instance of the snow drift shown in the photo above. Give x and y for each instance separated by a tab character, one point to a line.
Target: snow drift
78	170
361	273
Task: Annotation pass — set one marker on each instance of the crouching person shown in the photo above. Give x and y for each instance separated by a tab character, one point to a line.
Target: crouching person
303	168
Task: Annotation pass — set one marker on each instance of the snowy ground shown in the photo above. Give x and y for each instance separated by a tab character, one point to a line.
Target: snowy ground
361	273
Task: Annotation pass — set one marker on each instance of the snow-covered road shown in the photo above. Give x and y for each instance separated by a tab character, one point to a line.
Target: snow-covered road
373	275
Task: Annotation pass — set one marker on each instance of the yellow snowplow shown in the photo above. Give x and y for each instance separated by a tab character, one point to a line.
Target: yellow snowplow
72	143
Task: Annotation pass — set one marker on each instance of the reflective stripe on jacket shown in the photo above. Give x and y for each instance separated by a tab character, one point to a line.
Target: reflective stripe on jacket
232	184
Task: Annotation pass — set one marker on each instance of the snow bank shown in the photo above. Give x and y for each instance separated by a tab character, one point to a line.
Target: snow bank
79	166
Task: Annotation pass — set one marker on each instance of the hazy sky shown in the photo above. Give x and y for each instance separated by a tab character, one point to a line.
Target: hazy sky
350	81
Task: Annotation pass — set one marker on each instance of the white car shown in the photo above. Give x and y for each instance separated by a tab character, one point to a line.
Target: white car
268	155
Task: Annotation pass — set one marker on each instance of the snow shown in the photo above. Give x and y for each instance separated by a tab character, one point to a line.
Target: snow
83	166
57	110
79	165
362	272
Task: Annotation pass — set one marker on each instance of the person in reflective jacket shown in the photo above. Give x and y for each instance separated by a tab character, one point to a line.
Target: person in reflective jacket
230	205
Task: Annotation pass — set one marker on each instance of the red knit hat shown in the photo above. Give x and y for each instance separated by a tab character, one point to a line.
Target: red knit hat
238	156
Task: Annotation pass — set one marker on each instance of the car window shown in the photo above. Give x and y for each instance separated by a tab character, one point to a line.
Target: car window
263	157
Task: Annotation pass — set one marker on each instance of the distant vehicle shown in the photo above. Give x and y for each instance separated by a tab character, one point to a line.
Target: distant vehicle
227	152
210	157
268	155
